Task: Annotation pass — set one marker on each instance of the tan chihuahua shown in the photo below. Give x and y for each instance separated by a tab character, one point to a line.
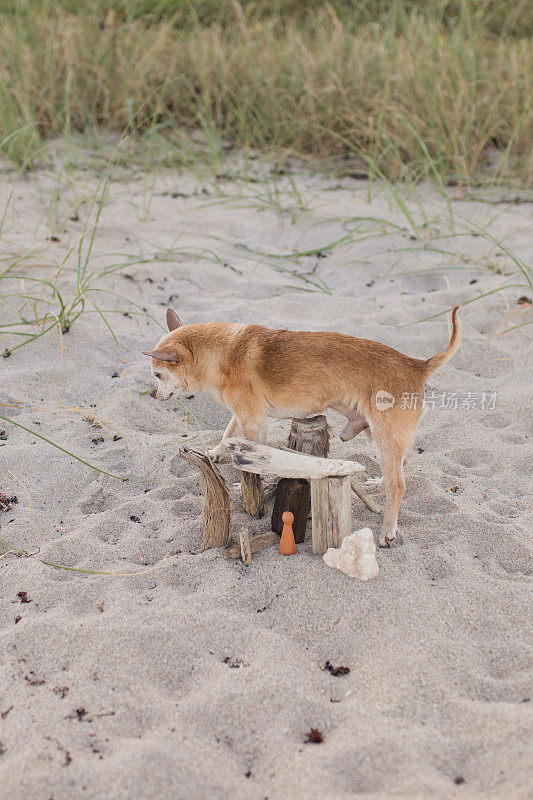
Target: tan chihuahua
260	373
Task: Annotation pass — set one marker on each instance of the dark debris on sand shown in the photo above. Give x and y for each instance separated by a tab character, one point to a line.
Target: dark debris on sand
314	737
7	502
337	671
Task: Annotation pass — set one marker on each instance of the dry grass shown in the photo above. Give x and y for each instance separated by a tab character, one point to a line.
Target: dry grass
408	93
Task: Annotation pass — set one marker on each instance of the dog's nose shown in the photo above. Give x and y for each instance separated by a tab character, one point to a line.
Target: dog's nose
153	393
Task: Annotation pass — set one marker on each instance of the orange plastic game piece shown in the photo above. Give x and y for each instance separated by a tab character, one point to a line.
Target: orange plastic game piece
286	544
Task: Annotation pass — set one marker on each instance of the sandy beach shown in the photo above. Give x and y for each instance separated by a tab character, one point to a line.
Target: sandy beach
192	677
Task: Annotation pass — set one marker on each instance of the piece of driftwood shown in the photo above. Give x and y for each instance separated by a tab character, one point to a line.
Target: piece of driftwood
270	487
246	552
331	511
310	436
330	485
367	500
356	487
294	495
253	496
257	543
259	458
217	508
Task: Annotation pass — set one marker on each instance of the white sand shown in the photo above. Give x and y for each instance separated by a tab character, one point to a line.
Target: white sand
201	679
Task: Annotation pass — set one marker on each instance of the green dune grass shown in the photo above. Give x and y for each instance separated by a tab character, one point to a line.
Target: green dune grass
409	89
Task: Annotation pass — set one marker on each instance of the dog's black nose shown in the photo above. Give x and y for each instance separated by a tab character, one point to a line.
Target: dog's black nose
153	393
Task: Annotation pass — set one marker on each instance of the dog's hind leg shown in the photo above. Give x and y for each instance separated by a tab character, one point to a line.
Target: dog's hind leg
393	432
392	464
391	450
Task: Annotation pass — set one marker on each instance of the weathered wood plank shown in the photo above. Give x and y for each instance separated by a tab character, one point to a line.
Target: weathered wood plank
259	458
253	496
332	512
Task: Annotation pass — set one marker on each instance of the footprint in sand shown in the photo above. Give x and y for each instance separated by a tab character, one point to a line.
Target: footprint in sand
94	499
436	566
496	421
423	283
476	463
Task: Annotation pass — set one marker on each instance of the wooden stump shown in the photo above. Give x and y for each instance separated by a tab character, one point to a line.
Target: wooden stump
331	511
217	509
253	496
310	436
292	494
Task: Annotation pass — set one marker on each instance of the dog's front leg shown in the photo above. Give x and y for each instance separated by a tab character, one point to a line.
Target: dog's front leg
220	450
254	429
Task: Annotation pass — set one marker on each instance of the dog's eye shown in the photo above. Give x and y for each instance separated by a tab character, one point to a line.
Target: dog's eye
157	375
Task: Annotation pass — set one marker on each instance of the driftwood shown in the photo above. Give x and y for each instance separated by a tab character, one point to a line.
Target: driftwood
294	495
330	485
362	495
257	543
332	512
217	508
310	436
246	551
357	488
252	457
253	496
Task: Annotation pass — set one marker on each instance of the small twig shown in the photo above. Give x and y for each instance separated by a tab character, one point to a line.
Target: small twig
246	552
269	488
362	495
257	543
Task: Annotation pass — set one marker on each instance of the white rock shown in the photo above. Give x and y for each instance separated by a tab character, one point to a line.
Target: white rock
356	556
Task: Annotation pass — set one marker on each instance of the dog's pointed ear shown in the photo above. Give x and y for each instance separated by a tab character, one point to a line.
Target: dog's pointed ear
164	355
173	321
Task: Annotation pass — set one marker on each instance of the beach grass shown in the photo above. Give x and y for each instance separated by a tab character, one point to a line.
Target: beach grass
410	90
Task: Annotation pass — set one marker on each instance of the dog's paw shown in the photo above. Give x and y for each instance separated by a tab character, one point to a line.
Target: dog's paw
374	481
386	541
217	453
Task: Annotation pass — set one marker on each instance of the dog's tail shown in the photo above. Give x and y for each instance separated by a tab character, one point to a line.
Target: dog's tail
439	359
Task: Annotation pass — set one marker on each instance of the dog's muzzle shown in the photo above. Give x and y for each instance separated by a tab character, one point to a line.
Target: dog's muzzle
153	393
